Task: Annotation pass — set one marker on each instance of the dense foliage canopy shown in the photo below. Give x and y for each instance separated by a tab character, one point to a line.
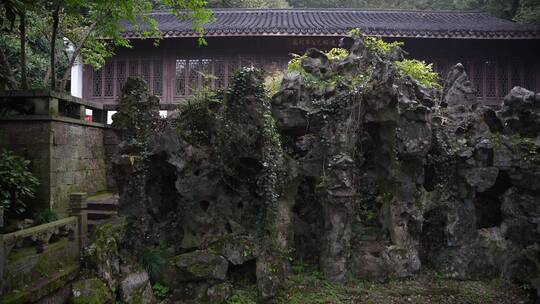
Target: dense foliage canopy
42	39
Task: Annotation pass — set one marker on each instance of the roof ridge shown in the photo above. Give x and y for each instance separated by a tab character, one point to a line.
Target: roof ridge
242	10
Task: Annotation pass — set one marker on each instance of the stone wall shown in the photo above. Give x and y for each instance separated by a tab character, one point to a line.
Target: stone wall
77	162
67	153
65	157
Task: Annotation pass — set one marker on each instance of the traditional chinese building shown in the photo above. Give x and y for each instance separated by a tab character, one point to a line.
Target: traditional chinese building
497	54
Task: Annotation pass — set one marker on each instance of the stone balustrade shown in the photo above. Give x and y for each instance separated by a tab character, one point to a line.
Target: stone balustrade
45	105
37	261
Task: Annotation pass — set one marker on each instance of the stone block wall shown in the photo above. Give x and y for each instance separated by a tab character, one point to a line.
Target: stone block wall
77	162
65	157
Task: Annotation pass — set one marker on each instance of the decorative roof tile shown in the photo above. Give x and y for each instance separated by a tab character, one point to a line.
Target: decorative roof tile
337	22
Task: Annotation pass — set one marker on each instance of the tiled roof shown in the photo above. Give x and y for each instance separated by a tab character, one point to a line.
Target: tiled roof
337	22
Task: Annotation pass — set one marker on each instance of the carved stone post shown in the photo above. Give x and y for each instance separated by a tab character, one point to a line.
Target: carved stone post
77	204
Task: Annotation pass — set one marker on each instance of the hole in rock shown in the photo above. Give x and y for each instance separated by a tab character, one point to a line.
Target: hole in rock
429	178
204	205
244	273
228	228
197	172
240	205
432	238
488	205
307	222
249	166
161	187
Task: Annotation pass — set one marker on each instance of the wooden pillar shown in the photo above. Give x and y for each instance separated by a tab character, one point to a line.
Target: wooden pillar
78	204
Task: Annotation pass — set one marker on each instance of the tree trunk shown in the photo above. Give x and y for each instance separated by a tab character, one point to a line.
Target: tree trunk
56	19
10	77
22	33
515	8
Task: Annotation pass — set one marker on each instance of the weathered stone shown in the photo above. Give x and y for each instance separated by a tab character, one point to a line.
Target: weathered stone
219	293
237	249
200	265
91	291
136	288
458	90
482	178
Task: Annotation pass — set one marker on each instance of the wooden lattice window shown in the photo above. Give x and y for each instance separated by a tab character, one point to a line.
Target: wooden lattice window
232	68
529	77
133	68
157	84
145	71
108	84
478	77
502	78
96	82
180	77
120	76
515	78
219	73
491	71
193	75
247	61
205	72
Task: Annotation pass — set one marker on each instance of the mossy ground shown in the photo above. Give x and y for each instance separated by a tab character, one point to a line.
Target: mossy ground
426	287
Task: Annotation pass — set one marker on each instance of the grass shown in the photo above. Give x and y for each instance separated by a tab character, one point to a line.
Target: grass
424	288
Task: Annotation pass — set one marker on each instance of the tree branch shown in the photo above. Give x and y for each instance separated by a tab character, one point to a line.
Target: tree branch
78	50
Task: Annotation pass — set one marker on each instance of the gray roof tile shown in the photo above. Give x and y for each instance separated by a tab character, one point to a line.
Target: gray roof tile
337	22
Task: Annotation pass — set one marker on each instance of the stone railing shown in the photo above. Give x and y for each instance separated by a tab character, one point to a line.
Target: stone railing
37	261
49	105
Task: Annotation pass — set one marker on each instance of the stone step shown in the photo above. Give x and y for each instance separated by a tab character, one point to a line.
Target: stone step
100	214
106	205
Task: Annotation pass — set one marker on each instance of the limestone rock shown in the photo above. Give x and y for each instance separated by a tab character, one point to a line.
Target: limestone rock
236	248
91	291
219	293
136	288
351	165
200	265
458	90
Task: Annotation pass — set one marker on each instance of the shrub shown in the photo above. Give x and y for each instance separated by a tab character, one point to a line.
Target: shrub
337	54
295	64
45	216
376	44
419	71
272	82
160	291
17	183
380	46
196	115
153	260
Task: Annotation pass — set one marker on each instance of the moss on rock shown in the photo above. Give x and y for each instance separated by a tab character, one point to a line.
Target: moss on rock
91	291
